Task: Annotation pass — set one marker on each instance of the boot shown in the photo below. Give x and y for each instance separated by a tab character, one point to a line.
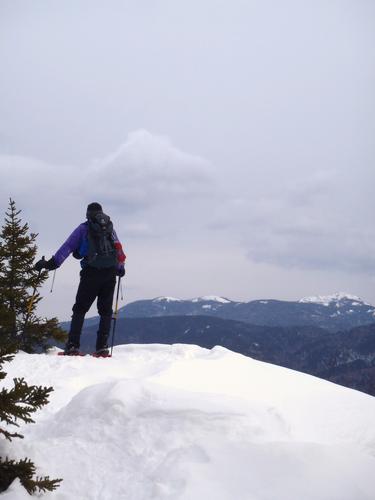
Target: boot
103	333
102	353
71	350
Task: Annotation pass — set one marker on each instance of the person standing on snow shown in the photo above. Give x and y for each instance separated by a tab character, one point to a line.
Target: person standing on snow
96	244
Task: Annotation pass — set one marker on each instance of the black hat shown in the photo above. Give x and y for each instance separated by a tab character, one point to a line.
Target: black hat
93	208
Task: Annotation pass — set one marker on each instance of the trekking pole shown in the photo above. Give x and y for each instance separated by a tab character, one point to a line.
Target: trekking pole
53	280
30	306
115	315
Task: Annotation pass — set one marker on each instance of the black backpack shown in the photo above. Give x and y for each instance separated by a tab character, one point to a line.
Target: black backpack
101	246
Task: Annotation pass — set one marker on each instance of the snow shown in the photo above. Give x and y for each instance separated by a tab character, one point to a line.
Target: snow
15	492
166	299
211	298
160	422
326	300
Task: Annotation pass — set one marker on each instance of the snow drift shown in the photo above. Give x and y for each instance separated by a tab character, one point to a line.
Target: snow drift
180	422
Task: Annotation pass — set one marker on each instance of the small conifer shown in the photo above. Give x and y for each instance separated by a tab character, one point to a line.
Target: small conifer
19	284
20	328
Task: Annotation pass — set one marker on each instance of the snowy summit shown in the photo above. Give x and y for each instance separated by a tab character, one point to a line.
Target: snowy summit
161	422
326	300
211	298
166	299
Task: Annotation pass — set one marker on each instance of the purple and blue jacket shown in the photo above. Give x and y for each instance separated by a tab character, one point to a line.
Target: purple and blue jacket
78	243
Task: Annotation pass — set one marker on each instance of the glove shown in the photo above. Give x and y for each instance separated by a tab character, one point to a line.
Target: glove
121	271
46	264
51	264
40	264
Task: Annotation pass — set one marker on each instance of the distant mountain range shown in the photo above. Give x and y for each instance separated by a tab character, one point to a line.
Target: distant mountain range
340	311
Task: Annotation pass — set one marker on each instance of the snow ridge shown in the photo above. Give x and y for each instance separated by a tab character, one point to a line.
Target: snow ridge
157	422
326	300
205	298
211	298
166	299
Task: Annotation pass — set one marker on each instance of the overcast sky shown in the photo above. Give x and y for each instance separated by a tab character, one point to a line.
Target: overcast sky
232	143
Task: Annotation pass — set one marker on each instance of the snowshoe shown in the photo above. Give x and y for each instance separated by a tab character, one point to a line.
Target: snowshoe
71	350
76	353
101	353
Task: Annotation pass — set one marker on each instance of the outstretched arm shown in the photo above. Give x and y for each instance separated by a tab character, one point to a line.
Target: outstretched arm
71	244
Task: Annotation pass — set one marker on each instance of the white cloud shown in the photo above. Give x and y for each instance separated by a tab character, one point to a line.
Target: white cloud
313	222
146	172
148	169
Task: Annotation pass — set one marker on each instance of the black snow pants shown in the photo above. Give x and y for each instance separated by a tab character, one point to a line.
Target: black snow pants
94	283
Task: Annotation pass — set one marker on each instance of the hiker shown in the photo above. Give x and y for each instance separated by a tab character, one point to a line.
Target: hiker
95	243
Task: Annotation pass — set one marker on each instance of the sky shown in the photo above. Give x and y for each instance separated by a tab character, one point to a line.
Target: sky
230	142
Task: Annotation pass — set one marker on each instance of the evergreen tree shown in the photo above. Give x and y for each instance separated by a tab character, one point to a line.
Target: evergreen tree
19	283
21	328
17	404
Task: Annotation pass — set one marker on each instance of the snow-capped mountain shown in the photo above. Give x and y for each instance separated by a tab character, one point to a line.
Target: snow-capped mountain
211	298
180	422
336	312
161	306
166	299
339	298
206	298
